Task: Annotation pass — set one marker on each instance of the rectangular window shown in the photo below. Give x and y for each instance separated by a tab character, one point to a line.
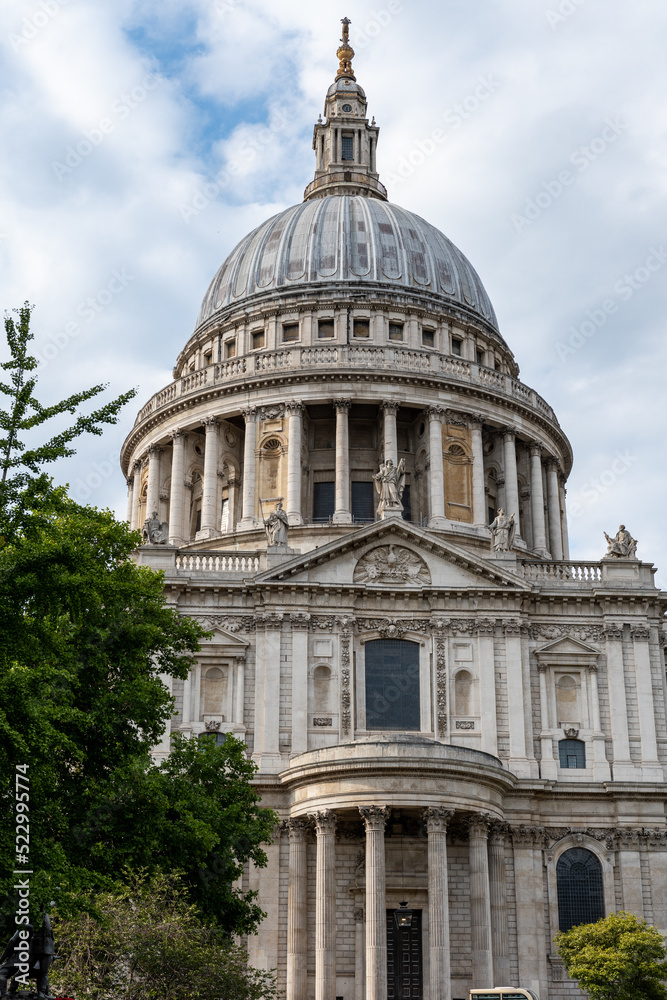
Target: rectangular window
363	502
428	338
407	506
362	328
479	356
348	147
208	359
396	331
325	329
198	521
290	332
392	685
230	349
572	753
456	347
258	340
324	502
224	518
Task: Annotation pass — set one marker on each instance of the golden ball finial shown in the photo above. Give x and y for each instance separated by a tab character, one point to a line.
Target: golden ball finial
345	53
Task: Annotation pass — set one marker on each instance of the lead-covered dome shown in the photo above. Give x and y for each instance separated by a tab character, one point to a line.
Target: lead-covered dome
345	238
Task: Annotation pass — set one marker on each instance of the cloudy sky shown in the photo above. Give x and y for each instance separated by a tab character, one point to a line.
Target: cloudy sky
142	140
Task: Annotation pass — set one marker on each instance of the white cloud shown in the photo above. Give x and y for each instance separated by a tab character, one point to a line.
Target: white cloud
219	74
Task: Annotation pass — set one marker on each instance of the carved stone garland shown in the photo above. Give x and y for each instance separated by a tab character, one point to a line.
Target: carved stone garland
441	680
346	716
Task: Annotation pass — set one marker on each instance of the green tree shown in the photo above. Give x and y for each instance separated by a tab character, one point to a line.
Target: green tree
618	958
85	635
147	942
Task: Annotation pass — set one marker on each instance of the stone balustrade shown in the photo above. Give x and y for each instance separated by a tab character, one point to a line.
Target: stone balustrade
217	562
605	573
353	358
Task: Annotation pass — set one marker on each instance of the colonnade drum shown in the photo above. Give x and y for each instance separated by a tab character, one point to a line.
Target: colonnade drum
478	731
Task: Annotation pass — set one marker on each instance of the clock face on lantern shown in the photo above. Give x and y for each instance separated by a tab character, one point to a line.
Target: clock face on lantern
347	107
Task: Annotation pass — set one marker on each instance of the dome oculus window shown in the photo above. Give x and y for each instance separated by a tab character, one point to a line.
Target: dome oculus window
347	108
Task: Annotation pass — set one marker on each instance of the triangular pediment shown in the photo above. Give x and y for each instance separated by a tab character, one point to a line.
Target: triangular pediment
221	636
394	555
565	646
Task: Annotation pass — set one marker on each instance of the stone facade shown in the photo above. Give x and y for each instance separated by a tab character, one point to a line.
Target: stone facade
527	716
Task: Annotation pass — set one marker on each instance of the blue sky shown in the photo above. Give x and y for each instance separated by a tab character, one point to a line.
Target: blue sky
549	172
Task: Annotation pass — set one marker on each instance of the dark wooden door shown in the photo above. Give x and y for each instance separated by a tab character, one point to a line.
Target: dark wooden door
405	971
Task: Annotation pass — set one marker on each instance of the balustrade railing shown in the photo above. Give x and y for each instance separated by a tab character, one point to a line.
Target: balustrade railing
385	358
576	574
218	562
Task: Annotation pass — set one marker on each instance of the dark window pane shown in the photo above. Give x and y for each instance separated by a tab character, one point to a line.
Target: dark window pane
198	521
363	502
325	329
348	147
572	753
580	894
324	501
456	347
396	331
361	328
392	684
407	506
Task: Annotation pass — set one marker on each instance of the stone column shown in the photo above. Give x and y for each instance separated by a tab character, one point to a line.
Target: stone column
436	473
537	501
511	480
479	511
210	521
601	768
325	905
153	486
480	901
177	491
234	486
487	683
248	518
359	954
553	501
531	931
130	499
136	496
438	903
498	890
300	623
375	818
564	529
239	690
295	434
518	760
623	769
651	766
297	912
266	751
390	438
342	513
548	766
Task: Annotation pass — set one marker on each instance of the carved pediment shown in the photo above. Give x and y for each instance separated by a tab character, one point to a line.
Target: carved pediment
568	650
393	565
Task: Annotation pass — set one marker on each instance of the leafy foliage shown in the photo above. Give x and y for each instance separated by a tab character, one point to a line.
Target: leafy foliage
618	958
148	942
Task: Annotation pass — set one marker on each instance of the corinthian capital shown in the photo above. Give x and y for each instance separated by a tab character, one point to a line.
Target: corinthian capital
325	822
375	817
437	818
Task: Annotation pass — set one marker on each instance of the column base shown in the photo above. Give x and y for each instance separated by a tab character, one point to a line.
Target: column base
438	523
522	767
342	517
205	533
653	771
269	763
295	519
624	770
247	524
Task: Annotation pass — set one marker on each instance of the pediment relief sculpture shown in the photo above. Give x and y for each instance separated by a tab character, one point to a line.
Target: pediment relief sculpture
392	564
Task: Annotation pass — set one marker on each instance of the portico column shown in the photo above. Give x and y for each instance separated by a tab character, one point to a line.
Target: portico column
537	500
436	474
153	486
295	433
498	892
480	901
325	905
563	517
438	903
511	480
479	512
553	500
234	485
375	818
390	439
136	496
342	514
177	490
248	519
297	912
130	499
210	523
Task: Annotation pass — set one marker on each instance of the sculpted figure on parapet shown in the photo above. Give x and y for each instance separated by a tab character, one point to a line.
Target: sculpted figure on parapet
390	483
155	531
277	525
503	530
622	546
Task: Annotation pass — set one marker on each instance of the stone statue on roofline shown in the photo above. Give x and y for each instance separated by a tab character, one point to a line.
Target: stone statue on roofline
390	483
155	531
622	546
503	530
277	525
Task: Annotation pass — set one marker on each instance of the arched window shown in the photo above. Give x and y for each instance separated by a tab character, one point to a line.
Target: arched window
462	692
392	685
572	753
214	691
322	689
566	700
580	892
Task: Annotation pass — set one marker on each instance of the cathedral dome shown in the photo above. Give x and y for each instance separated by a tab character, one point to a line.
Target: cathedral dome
351	239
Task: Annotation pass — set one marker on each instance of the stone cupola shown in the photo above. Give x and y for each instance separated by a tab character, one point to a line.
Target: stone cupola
345	143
